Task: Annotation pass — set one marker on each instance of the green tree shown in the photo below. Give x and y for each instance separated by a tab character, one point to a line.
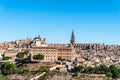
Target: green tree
88	70
78	68
2	77
96	70
109	74
115	72
25	71
60	58
26	52
86	58
43	69
20	55
104	69
6	58
35	57
7	68
38	57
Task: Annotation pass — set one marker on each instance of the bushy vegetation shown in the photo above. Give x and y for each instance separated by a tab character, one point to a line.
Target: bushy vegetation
111	71
61	59
50	73
22	54
86	58
3	77
38	57
43	69
9	68
23	57
6	58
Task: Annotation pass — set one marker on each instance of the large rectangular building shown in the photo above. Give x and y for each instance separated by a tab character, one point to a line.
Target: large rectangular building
65	53
51	54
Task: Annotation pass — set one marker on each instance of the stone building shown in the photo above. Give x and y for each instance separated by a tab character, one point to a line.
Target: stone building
23	43
65	52
50	53
78	46
11	53
2	50
38	42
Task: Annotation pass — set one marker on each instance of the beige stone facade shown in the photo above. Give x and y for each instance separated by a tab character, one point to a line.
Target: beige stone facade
79	47
51	54
10	53
65	53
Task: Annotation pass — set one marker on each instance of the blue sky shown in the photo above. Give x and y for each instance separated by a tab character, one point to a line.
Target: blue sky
93	21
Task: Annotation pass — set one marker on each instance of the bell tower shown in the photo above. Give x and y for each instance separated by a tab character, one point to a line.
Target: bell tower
72	40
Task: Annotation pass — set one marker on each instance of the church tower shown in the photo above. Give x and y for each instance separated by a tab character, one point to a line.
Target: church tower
72	41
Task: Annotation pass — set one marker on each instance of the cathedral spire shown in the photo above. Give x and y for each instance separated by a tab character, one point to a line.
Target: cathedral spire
72	41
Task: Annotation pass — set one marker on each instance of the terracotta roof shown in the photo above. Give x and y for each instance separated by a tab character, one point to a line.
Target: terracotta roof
79	59
4	47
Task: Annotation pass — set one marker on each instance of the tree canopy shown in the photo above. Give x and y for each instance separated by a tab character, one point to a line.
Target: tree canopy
111	71
38	57
7	68
22	54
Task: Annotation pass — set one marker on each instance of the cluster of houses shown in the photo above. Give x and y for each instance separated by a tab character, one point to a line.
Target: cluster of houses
38	45
81	54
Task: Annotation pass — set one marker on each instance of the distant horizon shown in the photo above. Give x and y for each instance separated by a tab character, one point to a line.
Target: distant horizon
93	21
60	43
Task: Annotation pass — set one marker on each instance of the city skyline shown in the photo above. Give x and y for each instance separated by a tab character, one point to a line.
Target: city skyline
92	21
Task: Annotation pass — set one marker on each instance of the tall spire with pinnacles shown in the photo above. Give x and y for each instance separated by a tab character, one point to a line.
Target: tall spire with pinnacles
72	41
